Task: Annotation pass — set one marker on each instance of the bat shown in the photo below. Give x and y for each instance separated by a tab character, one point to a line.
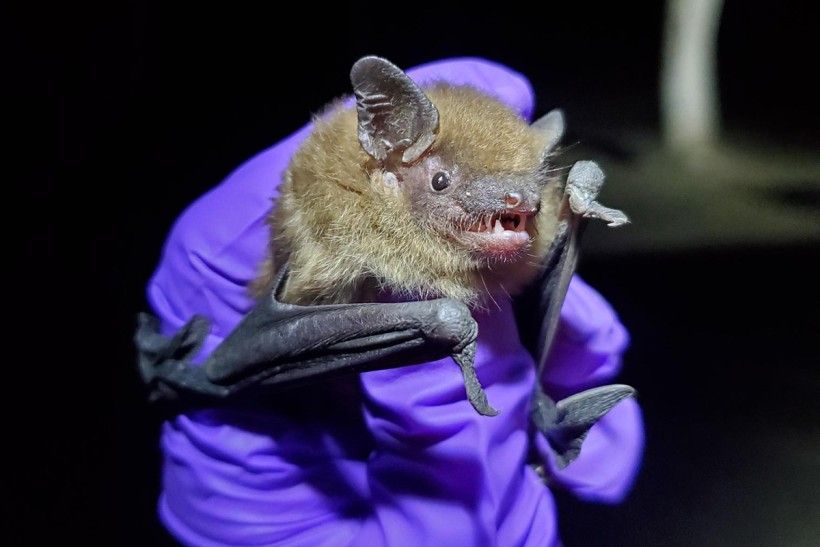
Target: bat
433	201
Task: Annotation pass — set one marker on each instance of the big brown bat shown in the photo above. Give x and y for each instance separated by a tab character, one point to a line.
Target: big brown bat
393	218
440	192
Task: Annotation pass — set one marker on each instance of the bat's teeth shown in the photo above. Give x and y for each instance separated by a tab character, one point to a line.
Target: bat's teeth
497	223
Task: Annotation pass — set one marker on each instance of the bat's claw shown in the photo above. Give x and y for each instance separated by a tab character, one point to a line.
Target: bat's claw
475	393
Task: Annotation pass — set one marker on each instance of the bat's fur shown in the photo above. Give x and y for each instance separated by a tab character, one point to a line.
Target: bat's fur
347	235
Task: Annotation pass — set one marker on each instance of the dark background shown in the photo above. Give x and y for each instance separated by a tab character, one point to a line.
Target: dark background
131	112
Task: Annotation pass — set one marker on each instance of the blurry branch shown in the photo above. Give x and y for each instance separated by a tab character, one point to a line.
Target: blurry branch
690	109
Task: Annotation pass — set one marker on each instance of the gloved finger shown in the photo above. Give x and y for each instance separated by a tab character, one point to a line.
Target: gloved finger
609	460
589	344
508	86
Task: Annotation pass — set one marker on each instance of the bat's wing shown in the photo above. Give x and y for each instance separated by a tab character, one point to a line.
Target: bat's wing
552	290
566	423
278	345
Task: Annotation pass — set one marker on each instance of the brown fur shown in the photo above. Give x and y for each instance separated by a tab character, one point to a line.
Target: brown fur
346	234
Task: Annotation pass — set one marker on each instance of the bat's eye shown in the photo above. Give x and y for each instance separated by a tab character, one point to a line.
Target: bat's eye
441	180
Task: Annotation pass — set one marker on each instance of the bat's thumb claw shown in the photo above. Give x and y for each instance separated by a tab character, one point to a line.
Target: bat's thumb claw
480	403
475	393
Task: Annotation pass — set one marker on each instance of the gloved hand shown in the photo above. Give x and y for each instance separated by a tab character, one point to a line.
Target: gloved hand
390	457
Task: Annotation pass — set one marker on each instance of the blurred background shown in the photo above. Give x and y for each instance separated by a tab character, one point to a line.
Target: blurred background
704	116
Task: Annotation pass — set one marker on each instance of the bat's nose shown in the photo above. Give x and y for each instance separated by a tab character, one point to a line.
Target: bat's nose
522	201
513	199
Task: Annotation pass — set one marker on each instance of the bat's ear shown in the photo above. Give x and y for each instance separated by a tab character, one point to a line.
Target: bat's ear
395	116
551	125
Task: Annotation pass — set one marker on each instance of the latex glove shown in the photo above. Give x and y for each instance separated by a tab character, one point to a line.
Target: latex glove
391	457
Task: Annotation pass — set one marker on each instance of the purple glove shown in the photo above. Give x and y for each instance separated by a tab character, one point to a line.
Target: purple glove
403	459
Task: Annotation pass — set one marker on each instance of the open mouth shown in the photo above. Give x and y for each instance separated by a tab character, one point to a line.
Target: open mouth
500	233
498	223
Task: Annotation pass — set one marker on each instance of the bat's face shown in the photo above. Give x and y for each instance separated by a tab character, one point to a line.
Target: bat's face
488	213
471	170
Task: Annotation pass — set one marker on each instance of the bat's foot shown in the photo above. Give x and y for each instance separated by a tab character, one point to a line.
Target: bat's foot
583	185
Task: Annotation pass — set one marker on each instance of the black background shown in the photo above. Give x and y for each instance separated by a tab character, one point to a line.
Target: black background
130	112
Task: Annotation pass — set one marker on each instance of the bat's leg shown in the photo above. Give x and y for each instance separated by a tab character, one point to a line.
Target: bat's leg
584	182
565	424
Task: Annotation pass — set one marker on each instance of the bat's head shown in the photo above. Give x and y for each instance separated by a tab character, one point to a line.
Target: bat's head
470	168
447	191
